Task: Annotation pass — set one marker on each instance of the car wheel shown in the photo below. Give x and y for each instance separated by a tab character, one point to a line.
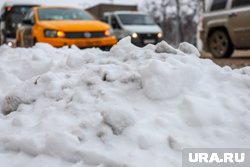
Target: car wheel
1	38
220	44
34	42
17	43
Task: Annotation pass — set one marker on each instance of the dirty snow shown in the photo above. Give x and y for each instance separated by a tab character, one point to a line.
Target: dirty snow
130	107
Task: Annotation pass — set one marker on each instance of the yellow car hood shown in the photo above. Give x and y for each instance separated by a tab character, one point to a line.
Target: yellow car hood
75	26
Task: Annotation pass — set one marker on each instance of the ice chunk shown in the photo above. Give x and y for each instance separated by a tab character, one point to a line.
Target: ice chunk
189	49
118	120
164	47
10	104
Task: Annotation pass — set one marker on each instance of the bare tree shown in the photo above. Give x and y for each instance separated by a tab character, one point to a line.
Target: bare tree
162	16
165	24
177	18
202	4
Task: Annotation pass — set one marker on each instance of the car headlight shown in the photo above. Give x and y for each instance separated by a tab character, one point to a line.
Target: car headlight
50	33
54	34
159	35
108	32
134	35
10	44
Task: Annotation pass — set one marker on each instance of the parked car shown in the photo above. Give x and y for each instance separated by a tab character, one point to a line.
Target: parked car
60	26
140	26
12	14
225	27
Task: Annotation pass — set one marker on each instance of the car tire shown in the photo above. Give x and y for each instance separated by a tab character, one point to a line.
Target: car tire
220	44
18	43
1	38
34	42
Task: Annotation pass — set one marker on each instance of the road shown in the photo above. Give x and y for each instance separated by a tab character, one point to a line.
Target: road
238	60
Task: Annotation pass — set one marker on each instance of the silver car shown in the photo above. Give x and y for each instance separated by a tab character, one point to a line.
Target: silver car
225	27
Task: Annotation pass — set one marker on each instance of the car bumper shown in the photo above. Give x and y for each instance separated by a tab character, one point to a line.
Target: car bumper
144	42
202	35
82	43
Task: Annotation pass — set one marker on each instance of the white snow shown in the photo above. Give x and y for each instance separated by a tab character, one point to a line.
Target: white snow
130	107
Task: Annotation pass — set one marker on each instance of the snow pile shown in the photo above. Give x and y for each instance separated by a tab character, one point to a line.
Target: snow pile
130	107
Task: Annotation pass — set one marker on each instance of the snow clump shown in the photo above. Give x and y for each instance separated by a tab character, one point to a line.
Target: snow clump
130	107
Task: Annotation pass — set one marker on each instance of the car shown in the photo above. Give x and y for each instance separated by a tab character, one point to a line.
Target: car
140	26
12	14
64	26
225	27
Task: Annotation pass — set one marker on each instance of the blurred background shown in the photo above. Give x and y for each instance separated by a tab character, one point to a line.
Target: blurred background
177	18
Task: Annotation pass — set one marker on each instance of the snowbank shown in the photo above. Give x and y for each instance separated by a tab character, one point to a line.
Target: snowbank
130	107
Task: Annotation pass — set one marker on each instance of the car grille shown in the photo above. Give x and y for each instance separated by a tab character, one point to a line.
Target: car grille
148	36
84	34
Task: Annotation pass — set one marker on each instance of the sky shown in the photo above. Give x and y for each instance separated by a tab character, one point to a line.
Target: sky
83	3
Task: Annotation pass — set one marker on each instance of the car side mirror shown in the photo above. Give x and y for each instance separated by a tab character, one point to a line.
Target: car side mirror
28	22
115	25
103	20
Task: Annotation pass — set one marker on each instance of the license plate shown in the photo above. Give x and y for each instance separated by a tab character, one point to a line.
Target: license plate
88	43
147	41
93	43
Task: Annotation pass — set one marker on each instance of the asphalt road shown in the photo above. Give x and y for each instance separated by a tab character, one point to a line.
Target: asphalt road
238	60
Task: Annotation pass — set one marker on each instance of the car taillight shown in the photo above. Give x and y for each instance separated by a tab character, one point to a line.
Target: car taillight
8	8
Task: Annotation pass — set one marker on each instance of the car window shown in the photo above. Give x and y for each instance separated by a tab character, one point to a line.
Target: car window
21	9
240	3
17	12
63	14
30	15
218	5
114	23
26	17
136	19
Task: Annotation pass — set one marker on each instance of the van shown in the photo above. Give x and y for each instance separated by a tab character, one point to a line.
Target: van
12	14
140	26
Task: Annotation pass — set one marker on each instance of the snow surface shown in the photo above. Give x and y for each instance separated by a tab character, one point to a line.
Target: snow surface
130	107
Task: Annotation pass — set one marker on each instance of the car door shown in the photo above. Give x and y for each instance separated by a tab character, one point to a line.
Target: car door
119	33
239	23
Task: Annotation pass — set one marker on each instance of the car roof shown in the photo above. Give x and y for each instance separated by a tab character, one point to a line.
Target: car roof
49	7
125	12
20	3
16	3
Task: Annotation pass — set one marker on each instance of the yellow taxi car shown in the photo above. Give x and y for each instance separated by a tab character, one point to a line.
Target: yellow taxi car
60	26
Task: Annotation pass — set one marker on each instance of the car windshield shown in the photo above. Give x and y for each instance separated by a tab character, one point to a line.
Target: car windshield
21	9
136	19
63	14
